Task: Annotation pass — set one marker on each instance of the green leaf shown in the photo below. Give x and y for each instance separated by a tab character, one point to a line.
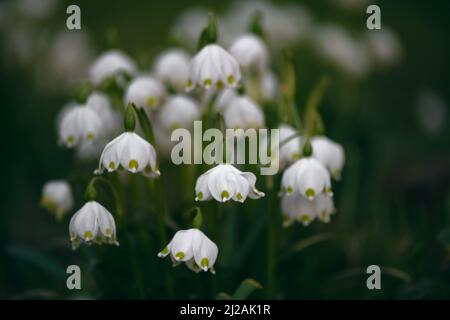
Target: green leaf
246	289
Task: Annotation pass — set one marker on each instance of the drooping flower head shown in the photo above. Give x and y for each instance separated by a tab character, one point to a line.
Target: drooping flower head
130	152
244	113
93	223
330	154
180	111
145	92
250	51
194	248
57	197
213	67
79	124
298	208
307	177
172	67
225	182
111	64
100	103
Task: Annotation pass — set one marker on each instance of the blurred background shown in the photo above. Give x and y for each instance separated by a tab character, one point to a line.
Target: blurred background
387	105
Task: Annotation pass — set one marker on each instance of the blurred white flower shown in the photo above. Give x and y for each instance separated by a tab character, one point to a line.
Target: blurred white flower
92	224
269	86
432	111
225	182
189	26
290	151
172	67
194	248
337	47
131	152
213	67
243	113
57	197
36	9
145	92
225	97
180	111
330	154
79	124
307	177
111	119
384	47
112	63
298	208
250	51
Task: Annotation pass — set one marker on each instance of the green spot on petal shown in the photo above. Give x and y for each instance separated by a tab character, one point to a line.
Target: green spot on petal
70	140
133	165
310	193
151	101
90	136
289	189
305	220
112	165
88	235
165	250
225	194
239	196
207	83
108	232
200	195
180	255
205	263
220	85
230	80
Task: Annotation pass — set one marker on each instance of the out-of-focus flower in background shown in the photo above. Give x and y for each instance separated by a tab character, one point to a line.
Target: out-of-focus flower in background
432	112
57	197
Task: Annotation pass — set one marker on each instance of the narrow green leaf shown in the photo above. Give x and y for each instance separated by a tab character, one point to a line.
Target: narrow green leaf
246	289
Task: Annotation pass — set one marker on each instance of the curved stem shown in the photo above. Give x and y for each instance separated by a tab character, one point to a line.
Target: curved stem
91	192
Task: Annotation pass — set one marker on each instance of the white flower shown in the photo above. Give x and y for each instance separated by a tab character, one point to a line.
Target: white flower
80	124
145	92
330	154
179	112
92	223
225	97
213	67
131	152
57	197
384	46
297	207
172	66
189	26
308	177
269	86
194	248
225	182
250	51
111	119
243	113
111	64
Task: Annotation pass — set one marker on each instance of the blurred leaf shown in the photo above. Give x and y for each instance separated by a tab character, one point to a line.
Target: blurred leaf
40	260
223	296
306	243
246	288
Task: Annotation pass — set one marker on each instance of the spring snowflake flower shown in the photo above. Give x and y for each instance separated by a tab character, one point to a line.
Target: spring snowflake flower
225	97
298	208
307	177
172	67
80	124
112	63
243	113
179	112
194	248
111	119
92	224
250	51
330	154
145	92
131	152
213	67
225	182
57	197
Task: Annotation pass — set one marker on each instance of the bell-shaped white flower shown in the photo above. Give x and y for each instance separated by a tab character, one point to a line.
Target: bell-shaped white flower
92	224
330	154
225	182
250	51
180	111
111	119
298	208
131	152
172	67
213	67
80	124
225	97
269	86
57	197
307	177
194	248
243	113
145	92
111	64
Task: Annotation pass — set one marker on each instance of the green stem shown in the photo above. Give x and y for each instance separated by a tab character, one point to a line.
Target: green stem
273	223
311	115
